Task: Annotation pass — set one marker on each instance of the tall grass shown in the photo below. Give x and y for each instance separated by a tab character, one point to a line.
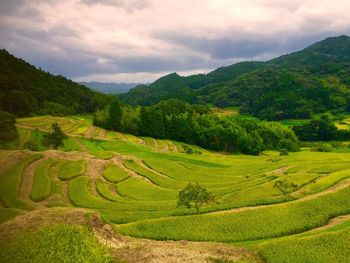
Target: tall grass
72	170
10	182
261	223
325	247
41	181
115	174
60	243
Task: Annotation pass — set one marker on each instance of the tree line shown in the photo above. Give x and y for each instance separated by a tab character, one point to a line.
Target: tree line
195	124
26	90
322	129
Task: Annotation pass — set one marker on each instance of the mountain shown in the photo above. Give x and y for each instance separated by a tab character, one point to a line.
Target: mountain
296	85
26	90
175	86
110	88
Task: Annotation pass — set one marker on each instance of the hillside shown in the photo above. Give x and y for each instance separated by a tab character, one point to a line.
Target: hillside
317	78
111	188
24	89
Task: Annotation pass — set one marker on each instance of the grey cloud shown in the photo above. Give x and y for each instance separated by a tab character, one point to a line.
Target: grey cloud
61	49
10	7
235	45
230	45
128	5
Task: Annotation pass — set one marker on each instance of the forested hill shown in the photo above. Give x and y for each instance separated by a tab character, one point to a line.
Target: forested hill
24	89
296	85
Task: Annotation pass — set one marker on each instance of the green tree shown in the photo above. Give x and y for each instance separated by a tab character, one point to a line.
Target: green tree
54	138
115	115
8	131
19	102
194	195
285	187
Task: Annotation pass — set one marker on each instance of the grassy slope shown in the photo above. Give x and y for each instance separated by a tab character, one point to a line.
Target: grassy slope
139	183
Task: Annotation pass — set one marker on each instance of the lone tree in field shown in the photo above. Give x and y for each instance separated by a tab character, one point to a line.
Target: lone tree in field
194	195
285	187
54	138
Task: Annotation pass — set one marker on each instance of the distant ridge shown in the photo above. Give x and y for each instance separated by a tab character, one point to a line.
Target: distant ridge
313	80
110	87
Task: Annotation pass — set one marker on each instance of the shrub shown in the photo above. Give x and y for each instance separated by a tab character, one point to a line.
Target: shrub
325	147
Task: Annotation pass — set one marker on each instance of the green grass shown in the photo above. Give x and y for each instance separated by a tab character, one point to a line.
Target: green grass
144	200
326	181
41	181
261	223
59	243
80	196
10	181
114	174
104	191
325	247
72	170
136	188
158	179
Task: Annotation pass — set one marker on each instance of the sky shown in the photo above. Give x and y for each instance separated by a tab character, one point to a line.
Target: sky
141	40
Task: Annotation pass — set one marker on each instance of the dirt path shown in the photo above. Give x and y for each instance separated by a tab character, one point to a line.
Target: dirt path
102	135
332	222
279	171
90	132
11	159
94	168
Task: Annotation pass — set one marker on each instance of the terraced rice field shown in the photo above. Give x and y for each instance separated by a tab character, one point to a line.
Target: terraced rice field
134	183
344	124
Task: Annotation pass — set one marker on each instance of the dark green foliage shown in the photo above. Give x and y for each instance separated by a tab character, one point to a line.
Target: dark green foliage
176	120
322	129
55	109
19	102
184	88
285	187
194	195
347	107
101	117
8	131
115	115
25	89
297	85
54	138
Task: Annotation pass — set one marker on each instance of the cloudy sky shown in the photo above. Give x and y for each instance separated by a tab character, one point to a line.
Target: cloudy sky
141	40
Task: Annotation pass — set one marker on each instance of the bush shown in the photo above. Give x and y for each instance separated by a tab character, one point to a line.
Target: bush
284	152
325	147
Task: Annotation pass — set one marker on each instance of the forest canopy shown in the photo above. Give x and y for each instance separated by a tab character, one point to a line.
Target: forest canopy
195	124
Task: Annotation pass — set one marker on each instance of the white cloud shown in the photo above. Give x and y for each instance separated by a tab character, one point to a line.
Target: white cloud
105	37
